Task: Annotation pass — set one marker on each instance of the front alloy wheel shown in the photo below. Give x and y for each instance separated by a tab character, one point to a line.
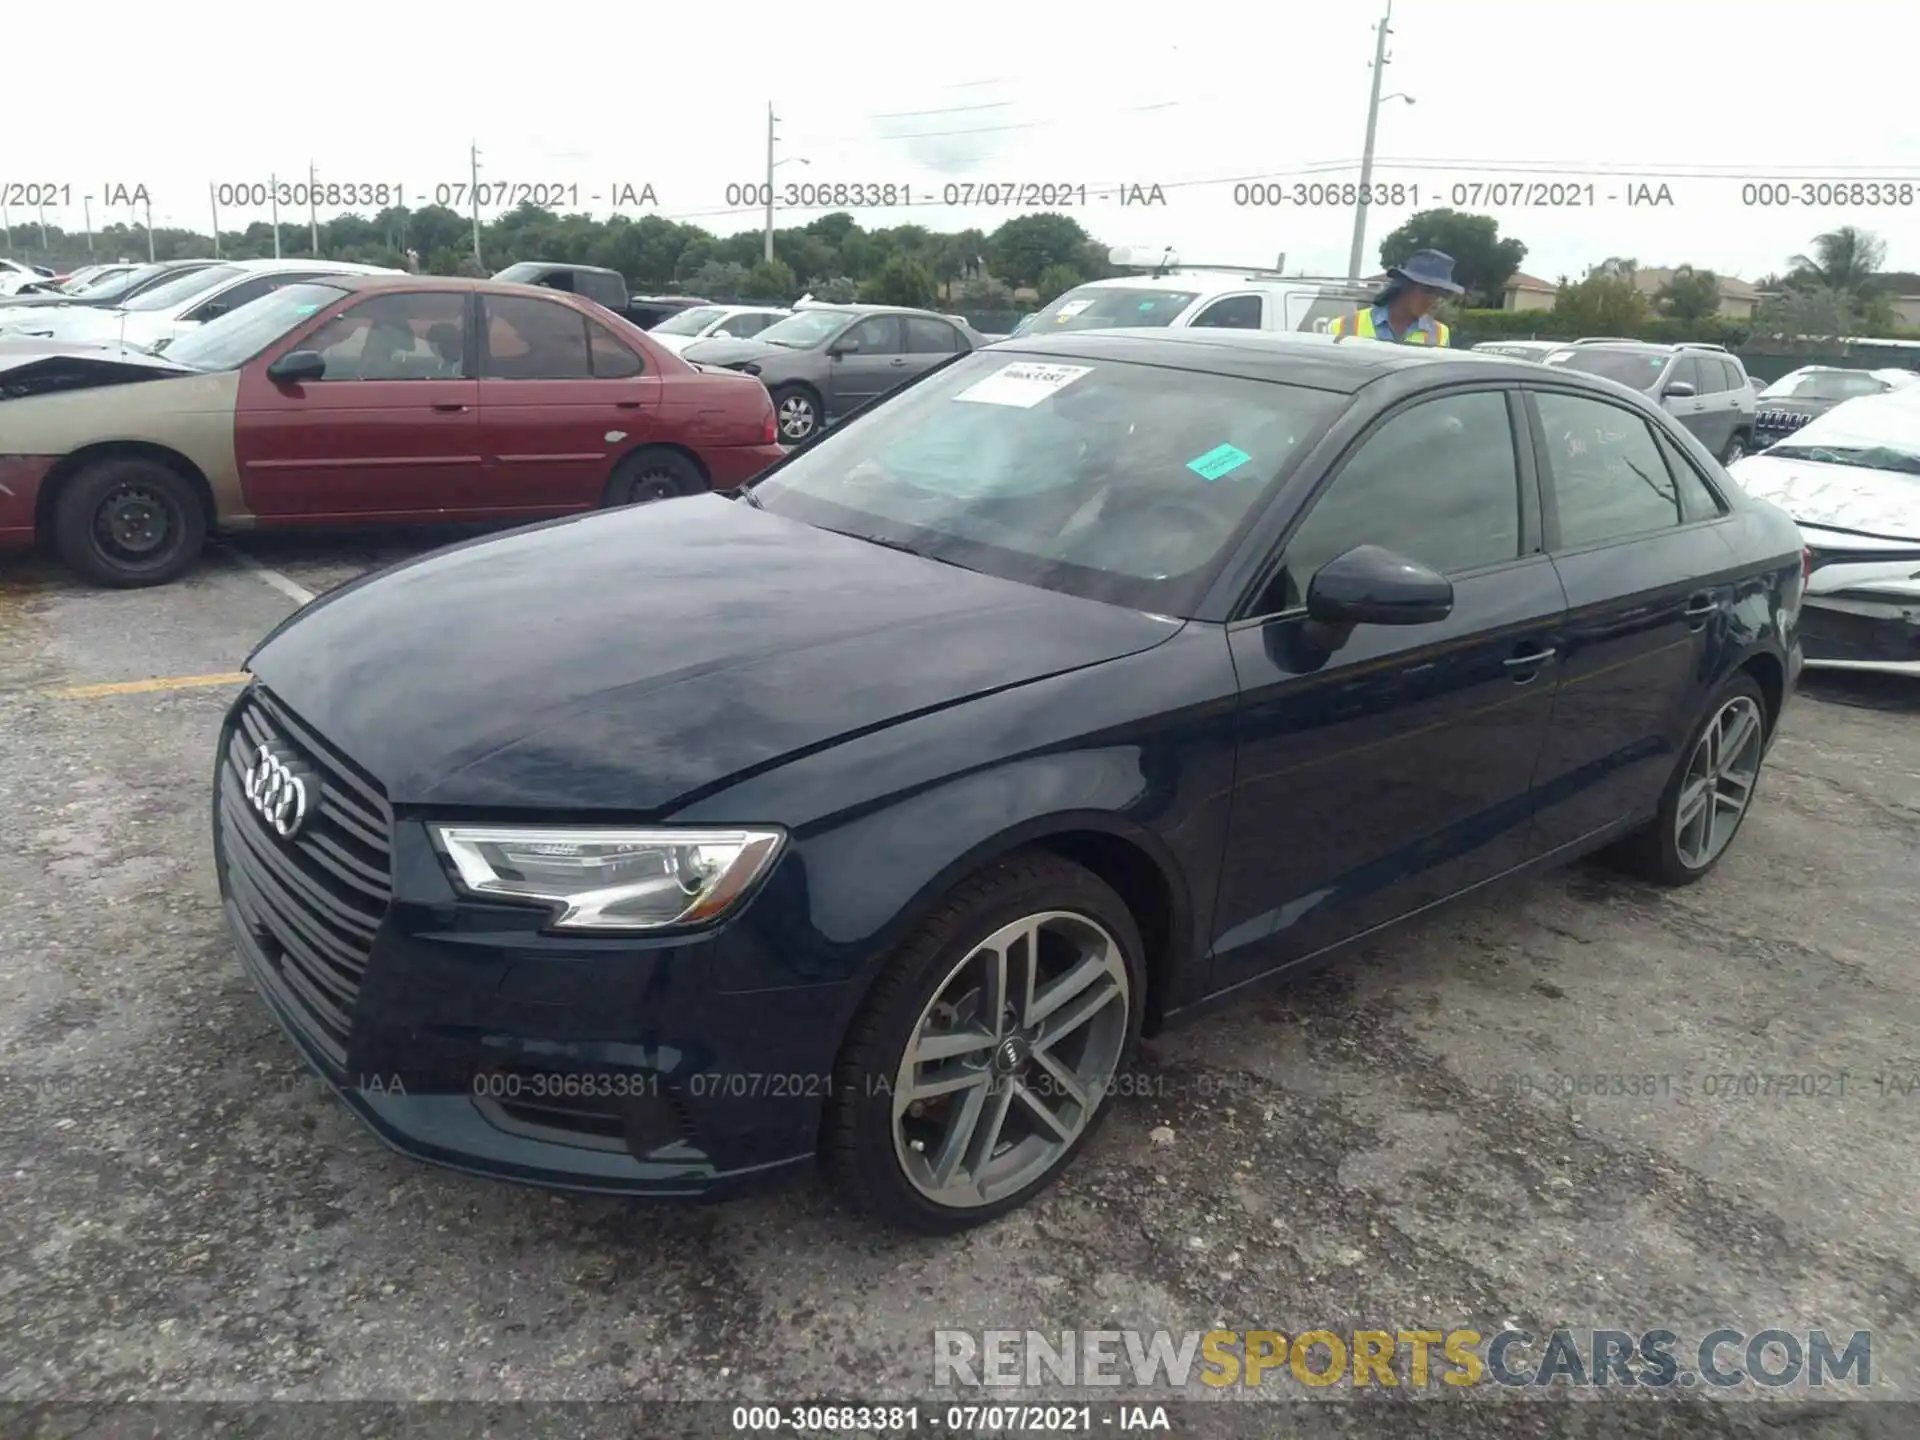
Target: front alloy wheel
1009	1059
985	1054
799	416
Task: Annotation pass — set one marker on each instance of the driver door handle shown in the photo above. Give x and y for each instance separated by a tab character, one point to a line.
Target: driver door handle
1528	663
450	407
898	362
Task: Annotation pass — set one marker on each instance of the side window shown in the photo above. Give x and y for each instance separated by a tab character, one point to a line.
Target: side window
1684	370
1697	502
1316	313
1735	380
745	325
418	336
1608	478
231	299
1713	375
1235	312
1437	483
611	360
877	335
534	340
931	337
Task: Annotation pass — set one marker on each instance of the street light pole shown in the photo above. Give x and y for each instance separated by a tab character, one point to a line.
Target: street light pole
767	252
86	202
1382	30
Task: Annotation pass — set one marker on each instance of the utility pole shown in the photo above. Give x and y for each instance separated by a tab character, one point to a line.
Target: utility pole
149	232
473	189
213	199
273	198
86	203
45	244
768	253
6	229
1366	155
313	220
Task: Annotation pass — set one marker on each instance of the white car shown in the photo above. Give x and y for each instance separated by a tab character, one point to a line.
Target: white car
714	322
1851	479
154	317
1209	296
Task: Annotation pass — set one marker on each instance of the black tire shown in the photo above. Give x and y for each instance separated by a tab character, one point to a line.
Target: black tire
807	413
1736	447
857	1142
654	474
1652	853
128	523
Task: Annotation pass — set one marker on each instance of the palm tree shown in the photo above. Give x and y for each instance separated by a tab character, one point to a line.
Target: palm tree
1848	259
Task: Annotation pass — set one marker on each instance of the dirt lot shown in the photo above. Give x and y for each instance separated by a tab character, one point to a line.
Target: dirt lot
184	1214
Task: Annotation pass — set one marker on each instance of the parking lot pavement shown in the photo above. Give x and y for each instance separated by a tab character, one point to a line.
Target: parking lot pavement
1406	1141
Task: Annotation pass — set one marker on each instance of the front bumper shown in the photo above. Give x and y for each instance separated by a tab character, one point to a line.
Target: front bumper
1858	631
463	1036
20	479
731	466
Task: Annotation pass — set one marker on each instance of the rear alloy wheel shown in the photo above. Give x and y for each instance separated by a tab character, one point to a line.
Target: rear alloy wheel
649	475
984	1058
798	411
129	523
1710	793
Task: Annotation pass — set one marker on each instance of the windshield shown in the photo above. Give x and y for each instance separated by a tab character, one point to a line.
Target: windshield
173	292
232	339
1119	482
1825	385
1105	308
1898	456
1635	368
122	283
689	322
806	329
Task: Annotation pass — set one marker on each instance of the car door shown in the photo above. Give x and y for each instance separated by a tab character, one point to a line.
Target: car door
562	399
1232	312
389	431
1380	774
1720	407
1316	310
1689	410
1635	536
930	342
867	359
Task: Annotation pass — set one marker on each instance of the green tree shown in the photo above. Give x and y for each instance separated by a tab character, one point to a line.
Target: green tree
1846	259
769	280
836	290
1690	294
1055	281
1482	261
1606	302
903	280
1020	251
719	279
1807	312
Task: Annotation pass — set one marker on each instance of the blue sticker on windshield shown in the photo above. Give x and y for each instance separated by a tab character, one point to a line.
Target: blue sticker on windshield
1221	460
304	310
1148	304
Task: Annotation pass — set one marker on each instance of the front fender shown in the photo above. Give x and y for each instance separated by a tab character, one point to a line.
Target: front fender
886	823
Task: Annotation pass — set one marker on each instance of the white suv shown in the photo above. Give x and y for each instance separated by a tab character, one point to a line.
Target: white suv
1200	296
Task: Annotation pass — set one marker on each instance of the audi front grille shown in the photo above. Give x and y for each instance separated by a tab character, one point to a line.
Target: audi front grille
311	903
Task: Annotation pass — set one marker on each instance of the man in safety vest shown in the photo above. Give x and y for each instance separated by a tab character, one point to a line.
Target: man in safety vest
1399	312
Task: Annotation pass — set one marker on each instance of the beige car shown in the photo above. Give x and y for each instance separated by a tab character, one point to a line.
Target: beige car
355	399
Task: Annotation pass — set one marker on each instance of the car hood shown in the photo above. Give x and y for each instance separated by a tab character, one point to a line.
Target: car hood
40	367
1835	497
1796	407
627	661
675	343
733	352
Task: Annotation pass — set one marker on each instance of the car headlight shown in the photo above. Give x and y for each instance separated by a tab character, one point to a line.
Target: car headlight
612	879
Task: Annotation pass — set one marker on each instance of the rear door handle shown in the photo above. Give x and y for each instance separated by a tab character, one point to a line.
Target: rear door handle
450	408
626	404
899	364
1699	610
1528	664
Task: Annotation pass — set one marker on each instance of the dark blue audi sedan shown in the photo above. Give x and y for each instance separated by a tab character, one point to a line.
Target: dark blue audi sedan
870	816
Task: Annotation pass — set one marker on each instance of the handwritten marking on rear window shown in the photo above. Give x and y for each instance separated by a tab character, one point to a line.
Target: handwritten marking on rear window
1221	460
1022	385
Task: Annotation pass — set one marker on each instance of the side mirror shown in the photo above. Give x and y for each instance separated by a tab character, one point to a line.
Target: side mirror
722	335
296	366
1370	585
843	347
1679	390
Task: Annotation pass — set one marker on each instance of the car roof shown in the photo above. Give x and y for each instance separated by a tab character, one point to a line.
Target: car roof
1219	282
401	280
1342	364
349	267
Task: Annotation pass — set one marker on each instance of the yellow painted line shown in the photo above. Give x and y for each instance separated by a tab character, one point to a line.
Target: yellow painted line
148	687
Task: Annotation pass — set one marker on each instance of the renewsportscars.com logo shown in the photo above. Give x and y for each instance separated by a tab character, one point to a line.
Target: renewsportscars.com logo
1416	1359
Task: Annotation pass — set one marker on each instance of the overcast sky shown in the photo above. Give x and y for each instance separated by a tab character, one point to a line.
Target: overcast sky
1189	96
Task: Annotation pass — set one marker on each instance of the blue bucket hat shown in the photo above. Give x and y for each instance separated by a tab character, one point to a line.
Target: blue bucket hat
1431	268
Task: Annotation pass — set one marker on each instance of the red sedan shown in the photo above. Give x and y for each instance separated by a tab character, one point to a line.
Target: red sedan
342	399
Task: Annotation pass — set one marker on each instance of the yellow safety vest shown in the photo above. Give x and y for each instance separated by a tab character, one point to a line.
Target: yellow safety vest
1360	323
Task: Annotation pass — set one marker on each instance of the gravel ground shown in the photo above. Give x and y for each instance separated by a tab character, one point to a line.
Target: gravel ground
184	1215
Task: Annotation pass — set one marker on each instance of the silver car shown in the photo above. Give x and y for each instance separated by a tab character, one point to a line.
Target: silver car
825	361
1702	386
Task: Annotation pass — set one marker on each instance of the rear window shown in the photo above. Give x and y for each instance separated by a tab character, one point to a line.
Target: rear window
1107	308
1635	368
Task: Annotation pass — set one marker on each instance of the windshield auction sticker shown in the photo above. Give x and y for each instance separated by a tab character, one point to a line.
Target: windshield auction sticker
1023	385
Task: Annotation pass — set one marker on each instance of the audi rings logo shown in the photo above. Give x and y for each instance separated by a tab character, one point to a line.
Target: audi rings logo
281	790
